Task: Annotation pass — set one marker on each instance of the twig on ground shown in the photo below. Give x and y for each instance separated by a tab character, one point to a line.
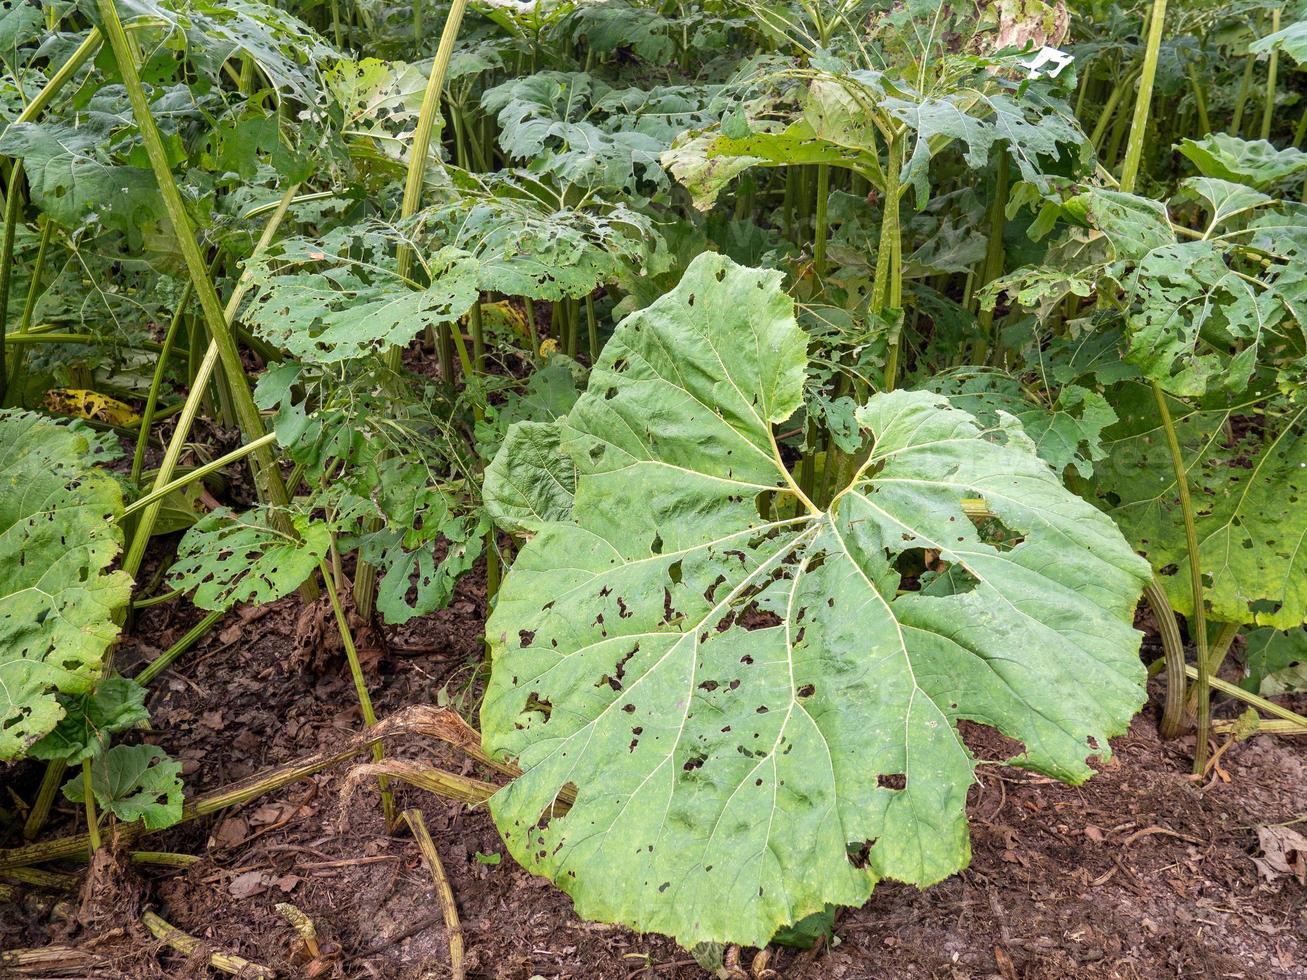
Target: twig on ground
444	894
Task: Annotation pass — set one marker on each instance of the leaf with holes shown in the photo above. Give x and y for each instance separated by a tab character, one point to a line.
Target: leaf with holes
1069	433
1248	494
529	242
134	782
751	709
229	559
340	297
58	537
1194	322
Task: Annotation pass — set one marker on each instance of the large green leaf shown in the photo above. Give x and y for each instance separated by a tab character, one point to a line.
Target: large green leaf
738	687
58	536
529	242
73	180
1292	40
1247	475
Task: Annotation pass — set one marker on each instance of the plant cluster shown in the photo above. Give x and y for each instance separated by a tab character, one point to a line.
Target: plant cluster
829	371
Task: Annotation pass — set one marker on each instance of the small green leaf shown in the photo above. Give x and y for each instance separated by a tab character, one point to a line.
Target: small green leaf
531	481
229	559
117	704
1069	433
134	782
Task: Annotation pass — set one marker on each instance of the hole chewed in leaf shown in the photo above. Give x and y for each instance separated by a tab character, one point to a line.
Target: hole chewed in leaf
755	597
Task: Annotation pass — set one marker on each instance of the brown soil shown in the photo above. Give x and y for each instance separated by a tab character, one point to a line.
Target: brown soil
1139	873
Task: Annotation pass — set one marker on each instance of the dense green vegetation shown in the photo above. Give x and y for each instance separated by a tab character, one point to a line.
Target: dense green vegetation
814	375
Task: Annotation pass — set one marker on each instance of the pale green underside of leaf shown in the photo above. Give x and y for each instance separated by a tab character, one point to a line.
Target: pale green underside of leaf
723	690
1250	499
58	536
1292	40
229	559
1276	661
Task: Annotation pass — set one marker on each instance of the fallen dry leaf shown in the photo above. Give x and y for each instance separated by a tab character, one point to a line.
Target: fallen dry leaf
1284	853
249	884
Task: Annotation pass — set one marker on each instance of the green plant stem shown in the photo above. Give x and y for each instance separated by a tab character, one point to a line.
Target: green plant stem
478	338
195	398
157	493
365	577
569	307
152	399
819	231
15	375
161	663
1256	700
884	288
1200	100
13	201
52	779
1219	650
1173	709
592	324
360	683
88	799
34	337
420	147
994	257
1268	110
1241	99
1199	621
247	413
156	600
532	328
1129	174
13	206
1135	148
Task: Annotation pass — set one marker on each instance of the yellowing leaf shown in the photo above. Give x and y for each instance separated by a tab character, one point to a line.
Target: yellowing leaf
82	403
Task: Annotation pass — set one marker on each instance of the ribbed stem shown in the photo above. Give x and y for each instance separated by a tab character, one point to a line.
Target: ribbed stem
247	413
1268	110
360	683
152	399
1135	148
1199	621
